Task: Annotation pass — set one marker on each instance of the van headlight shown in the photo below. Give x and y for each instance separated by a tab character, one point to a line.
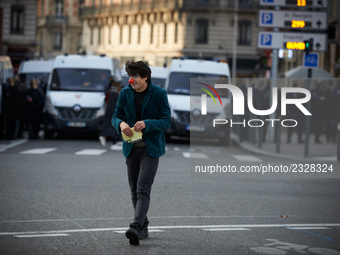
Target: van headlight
100	112
49	107
173	113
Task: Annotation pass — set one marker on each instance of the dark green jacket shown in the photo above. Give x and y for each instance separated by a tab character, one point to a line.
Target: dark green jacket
155	113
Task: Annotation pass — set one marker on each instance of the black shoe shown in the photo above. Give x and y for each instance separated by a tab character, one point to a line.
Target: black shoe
144	233
134	233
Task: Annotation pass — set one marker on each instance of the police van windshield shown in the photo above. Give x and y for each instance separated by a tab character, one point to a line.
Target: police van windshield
27	77
179	83
158	81
80	80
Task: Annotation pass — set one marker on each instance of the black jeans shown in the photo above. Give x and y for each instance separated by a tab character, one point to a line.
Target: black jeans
141	170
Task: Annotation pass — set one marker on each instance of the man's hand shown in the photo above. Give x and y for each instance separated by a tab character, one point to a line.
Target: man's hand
140	125
125	128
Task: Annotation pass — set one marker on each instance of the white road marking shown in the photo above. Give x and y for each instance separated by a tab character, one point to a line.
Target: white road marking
93	152
42	235
116	147
326	158
311	228
14	143
247	158
177	149
38	151
224	229
194	155
173	227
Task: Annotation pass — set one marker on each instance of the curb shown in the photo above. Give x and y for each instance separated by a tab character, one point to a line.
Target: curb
255	150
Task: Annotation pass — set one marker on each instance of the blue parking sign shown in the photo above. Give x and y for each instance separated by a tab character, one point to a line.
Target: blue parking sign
311	60
268	1
266	39
267	18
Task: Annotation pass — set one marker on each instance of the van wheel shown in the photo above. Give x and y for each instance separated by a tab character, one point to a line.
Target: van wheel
48	134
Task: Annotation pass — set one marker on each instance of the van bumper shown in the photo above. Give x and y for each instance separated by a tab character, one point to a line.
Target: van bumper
54	124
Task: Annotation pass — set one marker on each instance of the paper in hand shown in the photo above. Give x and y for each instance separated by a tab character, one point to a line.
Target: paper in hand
137	136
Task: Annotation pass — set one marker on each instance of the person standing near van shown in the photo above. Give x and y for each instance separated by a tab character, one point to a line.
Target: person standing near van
143	106
107	131
35	104
14	108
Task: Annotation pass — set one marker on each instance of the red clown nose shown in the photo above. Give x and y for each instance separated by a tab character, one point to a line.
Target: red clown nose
131	81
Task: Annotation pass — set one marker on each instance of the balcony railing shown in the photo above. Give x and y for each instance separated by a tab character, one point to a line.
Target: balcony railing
116	8
56	20
169	4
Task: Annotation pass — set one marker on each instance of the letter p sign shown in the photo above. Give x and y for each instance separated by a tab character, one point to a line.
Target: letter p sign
266	39
267	18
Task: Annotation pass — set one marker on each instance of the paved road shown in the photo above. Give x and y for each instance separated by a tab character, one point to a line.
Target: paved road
70	196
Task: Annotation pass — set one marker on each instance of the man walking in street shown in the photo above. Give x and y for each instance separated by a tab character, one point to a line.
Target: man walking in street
144	107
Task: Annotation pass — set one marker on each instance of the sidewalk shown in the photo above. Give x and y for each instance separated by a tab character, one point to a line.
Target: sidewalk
293	150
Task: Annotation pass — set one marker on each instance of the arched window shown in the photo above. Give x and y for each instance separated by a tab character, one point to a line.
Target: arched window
201	31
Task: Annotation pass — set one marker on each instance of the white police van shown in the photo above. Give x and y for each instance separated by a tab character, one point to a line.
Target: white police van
76	91
37	70
158	76
187	118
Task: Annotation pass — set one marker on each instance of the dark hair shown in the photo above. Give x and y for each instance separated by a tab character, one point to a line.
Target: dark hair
140	68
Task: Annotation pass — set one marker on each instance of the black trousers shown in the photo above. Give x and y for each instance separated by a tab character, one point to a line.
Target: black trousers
141	169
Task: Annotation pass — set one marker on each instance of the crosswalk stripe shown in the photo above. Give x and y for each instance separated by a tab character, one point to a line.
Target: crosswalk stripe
326	158
4	147
195	155
311	228
93	152
38	151
224	229
247	158
43	235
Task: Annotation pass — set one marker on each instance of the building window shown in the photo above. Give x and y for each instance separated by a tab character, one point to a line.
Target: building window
151	33
244	3
165	31
138	34
203	2
59	8
109	35
130	31
81	7
99	35
244	32
58	40
91	36
201	31
121	35
42	13
17	19
176	32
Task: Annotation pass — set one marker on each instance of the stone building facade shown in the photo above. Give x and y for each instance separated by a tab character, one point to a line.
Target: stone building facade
18	29
59	28
158	31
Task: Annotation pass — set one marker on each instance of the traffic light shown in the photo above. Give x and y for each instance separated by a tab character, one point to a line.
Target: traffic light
309	45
